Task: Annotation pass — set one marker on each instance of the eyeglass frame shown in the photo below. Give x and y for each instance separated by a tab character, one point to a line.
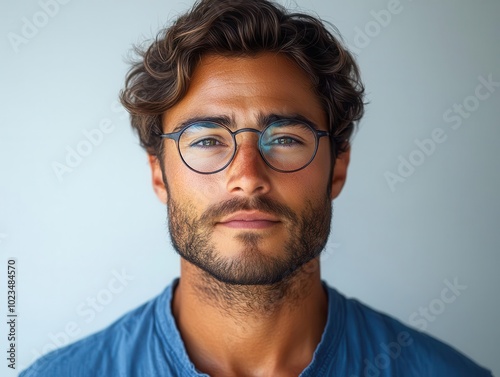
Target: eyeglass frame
177	135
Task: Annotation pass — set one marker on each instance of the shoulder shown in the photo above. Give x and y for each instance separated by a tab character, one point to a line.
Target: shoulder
387	344
107	352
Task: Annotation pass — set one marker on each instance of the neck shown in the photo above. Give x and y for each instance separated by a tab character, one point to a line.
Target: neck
250	330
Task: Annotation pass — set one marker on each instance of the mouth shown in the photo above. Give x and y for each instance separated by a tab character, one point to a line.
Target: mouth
249	220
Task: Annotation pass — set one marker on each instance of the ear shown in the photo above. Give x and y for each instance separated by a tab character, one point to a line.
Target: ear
339	175
157	179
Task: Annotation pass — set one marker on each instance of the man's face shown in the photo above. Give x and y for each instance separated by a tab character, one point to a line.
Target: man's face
248	224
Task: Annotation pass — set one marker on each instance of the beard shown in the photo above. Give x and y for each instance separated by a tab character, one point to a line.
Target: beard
308	233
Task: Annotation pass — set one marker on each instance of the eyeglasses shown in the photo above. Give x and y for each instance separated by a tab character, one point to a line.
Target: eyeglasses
286	145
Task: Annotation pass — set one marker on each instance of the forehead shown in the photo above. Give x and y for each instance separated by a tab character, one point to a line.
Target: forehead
244	88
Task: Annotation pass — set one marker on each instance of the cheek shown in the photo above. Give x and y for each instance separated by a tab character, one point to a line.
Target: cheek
186	183
314	179
192	189
309	185
203	189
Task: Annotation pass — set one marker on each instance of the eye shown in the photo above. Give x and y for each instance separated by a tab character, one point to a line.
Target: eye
284	140
288	134
207	143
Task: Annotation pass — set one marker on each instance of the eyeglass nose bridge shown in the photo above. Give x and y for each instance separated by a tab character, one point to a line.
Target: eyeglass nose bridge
234	133
241	130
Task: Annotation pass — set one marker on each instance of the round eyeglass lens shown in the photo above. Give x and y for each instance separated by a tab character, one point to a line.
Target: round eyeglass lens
288	145
206	147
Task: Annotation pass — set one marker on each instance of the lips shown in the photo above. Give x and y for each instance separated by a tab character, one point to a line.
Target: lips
251	220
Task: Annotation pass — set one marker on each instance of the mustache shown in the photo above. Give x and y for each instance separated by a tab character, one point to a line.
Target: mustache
263	204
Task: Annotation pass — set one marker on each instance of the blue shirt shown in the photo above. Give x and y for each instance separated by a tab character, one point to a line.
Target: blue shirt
356	342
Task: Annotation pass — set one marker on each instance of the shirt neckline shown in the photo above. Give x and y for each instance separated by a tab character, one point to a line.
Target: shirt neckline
326	349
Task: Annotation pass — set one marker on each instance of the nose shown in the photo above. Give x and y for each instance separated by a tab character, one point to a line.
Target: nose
248	174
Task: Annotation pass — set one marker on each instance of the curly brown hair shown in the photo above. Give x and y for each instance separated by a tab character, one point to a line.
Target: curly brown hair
160	78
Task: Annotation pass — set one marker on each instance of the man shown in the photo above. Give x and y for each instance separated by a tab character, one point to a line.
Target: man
246	113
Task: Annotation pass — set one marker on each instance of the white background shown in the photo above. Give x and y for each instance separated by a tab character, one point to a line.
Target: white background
392	249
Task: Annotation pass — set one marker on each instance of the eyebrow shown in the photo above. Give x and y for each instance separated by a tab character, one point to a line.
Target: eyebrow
262	120
222	119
